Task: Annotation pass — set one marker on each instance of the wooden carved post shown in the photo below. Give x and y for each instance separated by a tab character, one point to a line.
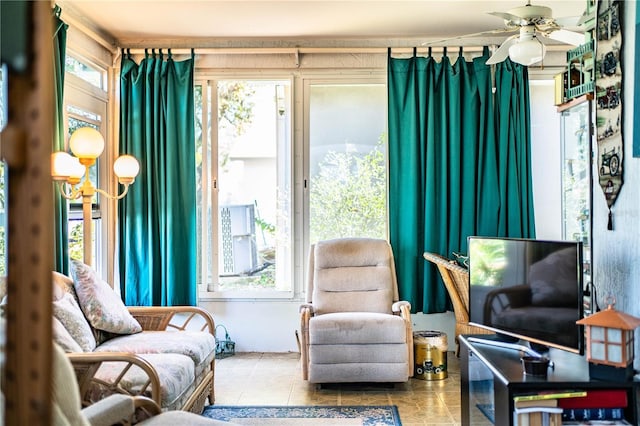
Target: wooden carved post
26	147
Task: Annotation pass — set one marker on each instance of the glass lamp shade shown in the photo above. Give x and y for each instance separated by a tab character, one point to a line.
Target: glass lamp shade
86	142
77	169
66	167
126	167
527	52
61	165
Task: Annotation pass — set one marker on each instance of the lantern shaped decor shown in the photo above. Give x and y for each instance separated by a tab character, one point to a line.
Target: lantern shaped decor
610	341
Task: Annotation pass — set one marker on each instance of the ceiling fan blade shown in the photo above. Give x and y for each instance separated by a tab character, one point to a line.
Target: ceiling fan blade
503	51
509	18
567	37
481	34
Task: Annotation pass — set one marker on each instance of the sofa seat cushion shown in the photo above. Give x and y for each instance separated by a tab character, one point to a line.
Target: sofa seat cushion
197	345
176	373
356	328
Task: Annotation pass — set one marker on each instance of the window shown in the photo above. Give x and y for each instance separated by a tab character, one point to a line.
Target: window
86	72
347	160
244	186
245	176
85	105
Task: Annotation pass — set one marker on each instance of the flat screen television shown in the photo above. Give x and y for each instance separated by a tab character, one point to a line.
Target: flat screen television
527	289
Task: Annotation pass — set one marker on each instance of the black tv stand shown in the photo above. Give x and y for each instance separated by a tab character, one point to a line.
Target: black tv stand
491	373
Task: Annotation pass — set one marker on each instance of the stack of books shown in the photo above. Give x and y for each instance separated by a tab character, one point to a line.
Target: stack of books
571	407
541	408
601	405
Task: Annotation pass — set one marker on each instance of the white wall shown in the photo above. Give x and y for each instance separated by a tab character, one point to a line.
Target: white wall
546	160
616	269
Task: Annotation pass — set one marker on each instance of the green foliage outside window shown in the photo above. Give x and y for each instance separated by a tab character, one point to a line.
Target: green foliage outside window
348	196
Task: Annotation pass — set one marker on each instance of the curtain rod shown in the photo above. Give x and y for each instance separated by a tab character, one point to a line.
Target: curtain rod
297	50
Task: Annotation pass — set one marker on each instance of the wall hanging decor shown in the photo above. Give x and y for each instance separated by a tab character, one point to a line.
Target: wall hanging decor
609	100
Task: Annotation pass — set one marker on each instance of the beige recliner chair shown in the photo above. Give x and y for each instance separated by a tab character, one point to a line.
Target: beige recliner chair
353	328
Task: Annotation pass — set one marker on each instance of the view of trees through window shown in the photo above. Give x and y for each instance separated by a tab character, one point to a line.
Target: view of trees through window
244	172
348	183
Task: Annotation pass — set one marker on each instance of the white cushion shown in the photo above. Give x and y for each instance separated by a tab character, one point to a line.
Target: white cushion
63	338
101	305
67	311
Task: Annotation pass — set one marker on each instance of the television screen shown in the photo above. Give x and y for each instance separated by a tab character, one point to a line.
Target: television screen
527	289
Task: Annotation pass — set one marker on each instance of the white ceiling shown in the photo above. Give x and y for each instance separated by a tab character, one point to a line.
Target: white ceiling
145	21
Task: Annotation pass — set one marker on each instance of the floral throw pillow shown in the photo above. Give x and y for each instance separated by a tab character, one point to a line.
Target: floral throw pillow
101	305
63	338
67	311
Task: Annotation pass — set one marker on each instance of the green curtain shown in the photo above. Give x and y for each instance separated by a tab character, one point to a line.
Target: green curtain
60	212
458	164
157	219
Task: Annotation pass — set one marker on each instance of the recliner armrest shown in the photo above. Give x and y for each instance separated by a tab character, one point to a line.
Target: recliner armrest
306	306
397	306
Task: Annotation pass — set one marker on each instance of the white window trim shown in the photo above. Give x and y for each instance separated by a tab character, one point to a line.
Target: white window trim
84	95
210	80
300	83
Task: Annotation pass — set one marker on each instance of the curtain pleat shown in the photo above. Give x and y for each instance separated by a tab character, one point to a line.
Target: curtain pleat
459	164
60	210
157	219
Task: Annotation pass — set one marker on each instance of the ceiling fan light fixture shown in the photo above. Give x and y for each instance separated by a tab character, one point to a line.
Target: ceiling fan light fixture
527	52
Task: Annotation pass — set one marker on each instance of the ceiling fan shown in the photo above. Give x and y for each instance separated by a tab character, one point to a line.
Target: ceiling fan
534	25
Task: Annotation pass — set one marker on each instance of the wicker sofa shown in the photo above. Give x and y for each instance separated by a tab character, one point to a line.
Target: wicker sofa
164	353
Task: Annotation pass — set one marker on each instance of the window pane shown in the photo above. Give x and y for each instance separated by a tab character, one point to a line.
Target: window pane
75	233
244	185
614	335
598	351
347	161
89	74
77	118
614	353
597	333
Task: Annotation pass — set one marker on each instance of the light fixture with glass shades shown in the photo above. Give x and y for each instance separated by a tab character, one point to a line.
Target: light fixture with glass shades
610	342
67	170
527	50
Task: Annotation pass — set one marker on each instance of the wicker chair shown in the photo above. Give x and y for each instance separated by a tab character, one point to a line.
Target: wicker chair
456	280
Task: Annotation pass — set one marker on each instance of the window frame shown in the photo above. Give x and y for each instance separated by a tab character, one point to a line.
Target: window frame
299	204
83	95
210	154
307	83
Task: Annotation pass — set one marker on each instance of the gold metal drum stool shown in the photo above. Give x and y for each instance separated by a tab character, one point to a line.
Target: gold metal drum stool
430	354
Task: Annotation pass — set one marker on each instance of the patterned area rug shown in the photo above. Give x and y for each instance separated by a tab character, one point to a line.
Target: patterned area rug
365	415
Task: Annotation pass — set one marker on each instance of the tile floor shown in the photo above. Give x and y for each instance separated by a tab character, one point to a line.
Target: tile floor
276	379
